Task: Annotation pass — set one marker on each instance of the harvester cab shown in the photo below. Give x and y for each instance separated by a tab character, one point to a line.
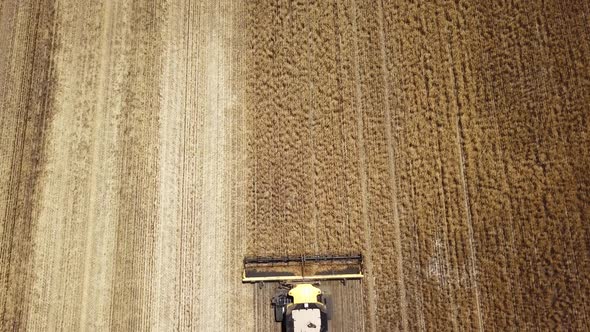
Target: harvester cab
299	302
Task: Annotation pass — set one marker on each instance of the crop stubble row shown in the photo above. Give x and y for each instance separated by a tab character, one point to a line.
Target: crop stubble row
122	166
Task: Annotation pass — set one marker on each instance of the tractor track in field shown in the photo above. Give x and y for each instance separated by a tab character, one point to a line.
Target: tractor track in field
146	147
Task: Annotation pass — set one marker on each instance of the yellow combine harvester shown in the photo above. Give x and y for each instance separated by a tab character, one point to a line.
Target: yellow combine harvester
299	303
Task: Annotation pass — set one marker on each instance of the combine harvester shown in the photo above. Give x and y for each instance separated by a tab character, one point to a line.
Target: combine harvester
299	303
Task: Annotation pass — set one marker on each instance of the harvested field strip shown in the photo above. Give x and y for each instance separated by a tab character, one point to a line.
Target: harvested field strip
125	153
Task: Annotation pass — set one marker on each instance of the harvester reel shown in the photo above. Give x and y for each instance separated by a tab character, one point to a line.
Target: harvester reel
302	268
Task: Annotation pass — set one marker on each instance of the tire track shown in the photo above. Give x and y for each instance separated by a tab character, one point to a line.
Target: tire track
27	96
392	169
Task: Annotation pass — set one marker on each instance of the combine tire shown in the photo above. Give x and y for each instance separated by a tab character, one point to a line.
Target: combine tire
279	313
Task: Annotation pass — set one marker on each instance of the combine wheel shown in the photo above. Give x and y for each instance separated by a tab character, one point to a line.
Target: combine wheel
279	313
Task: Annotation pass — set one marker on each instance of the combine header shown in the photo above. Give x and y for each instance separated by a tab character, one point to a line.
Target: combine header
299	303
302	268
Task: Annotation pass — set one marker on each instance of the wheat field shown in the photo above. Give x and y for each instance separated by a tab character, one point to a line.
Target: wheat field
146	147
